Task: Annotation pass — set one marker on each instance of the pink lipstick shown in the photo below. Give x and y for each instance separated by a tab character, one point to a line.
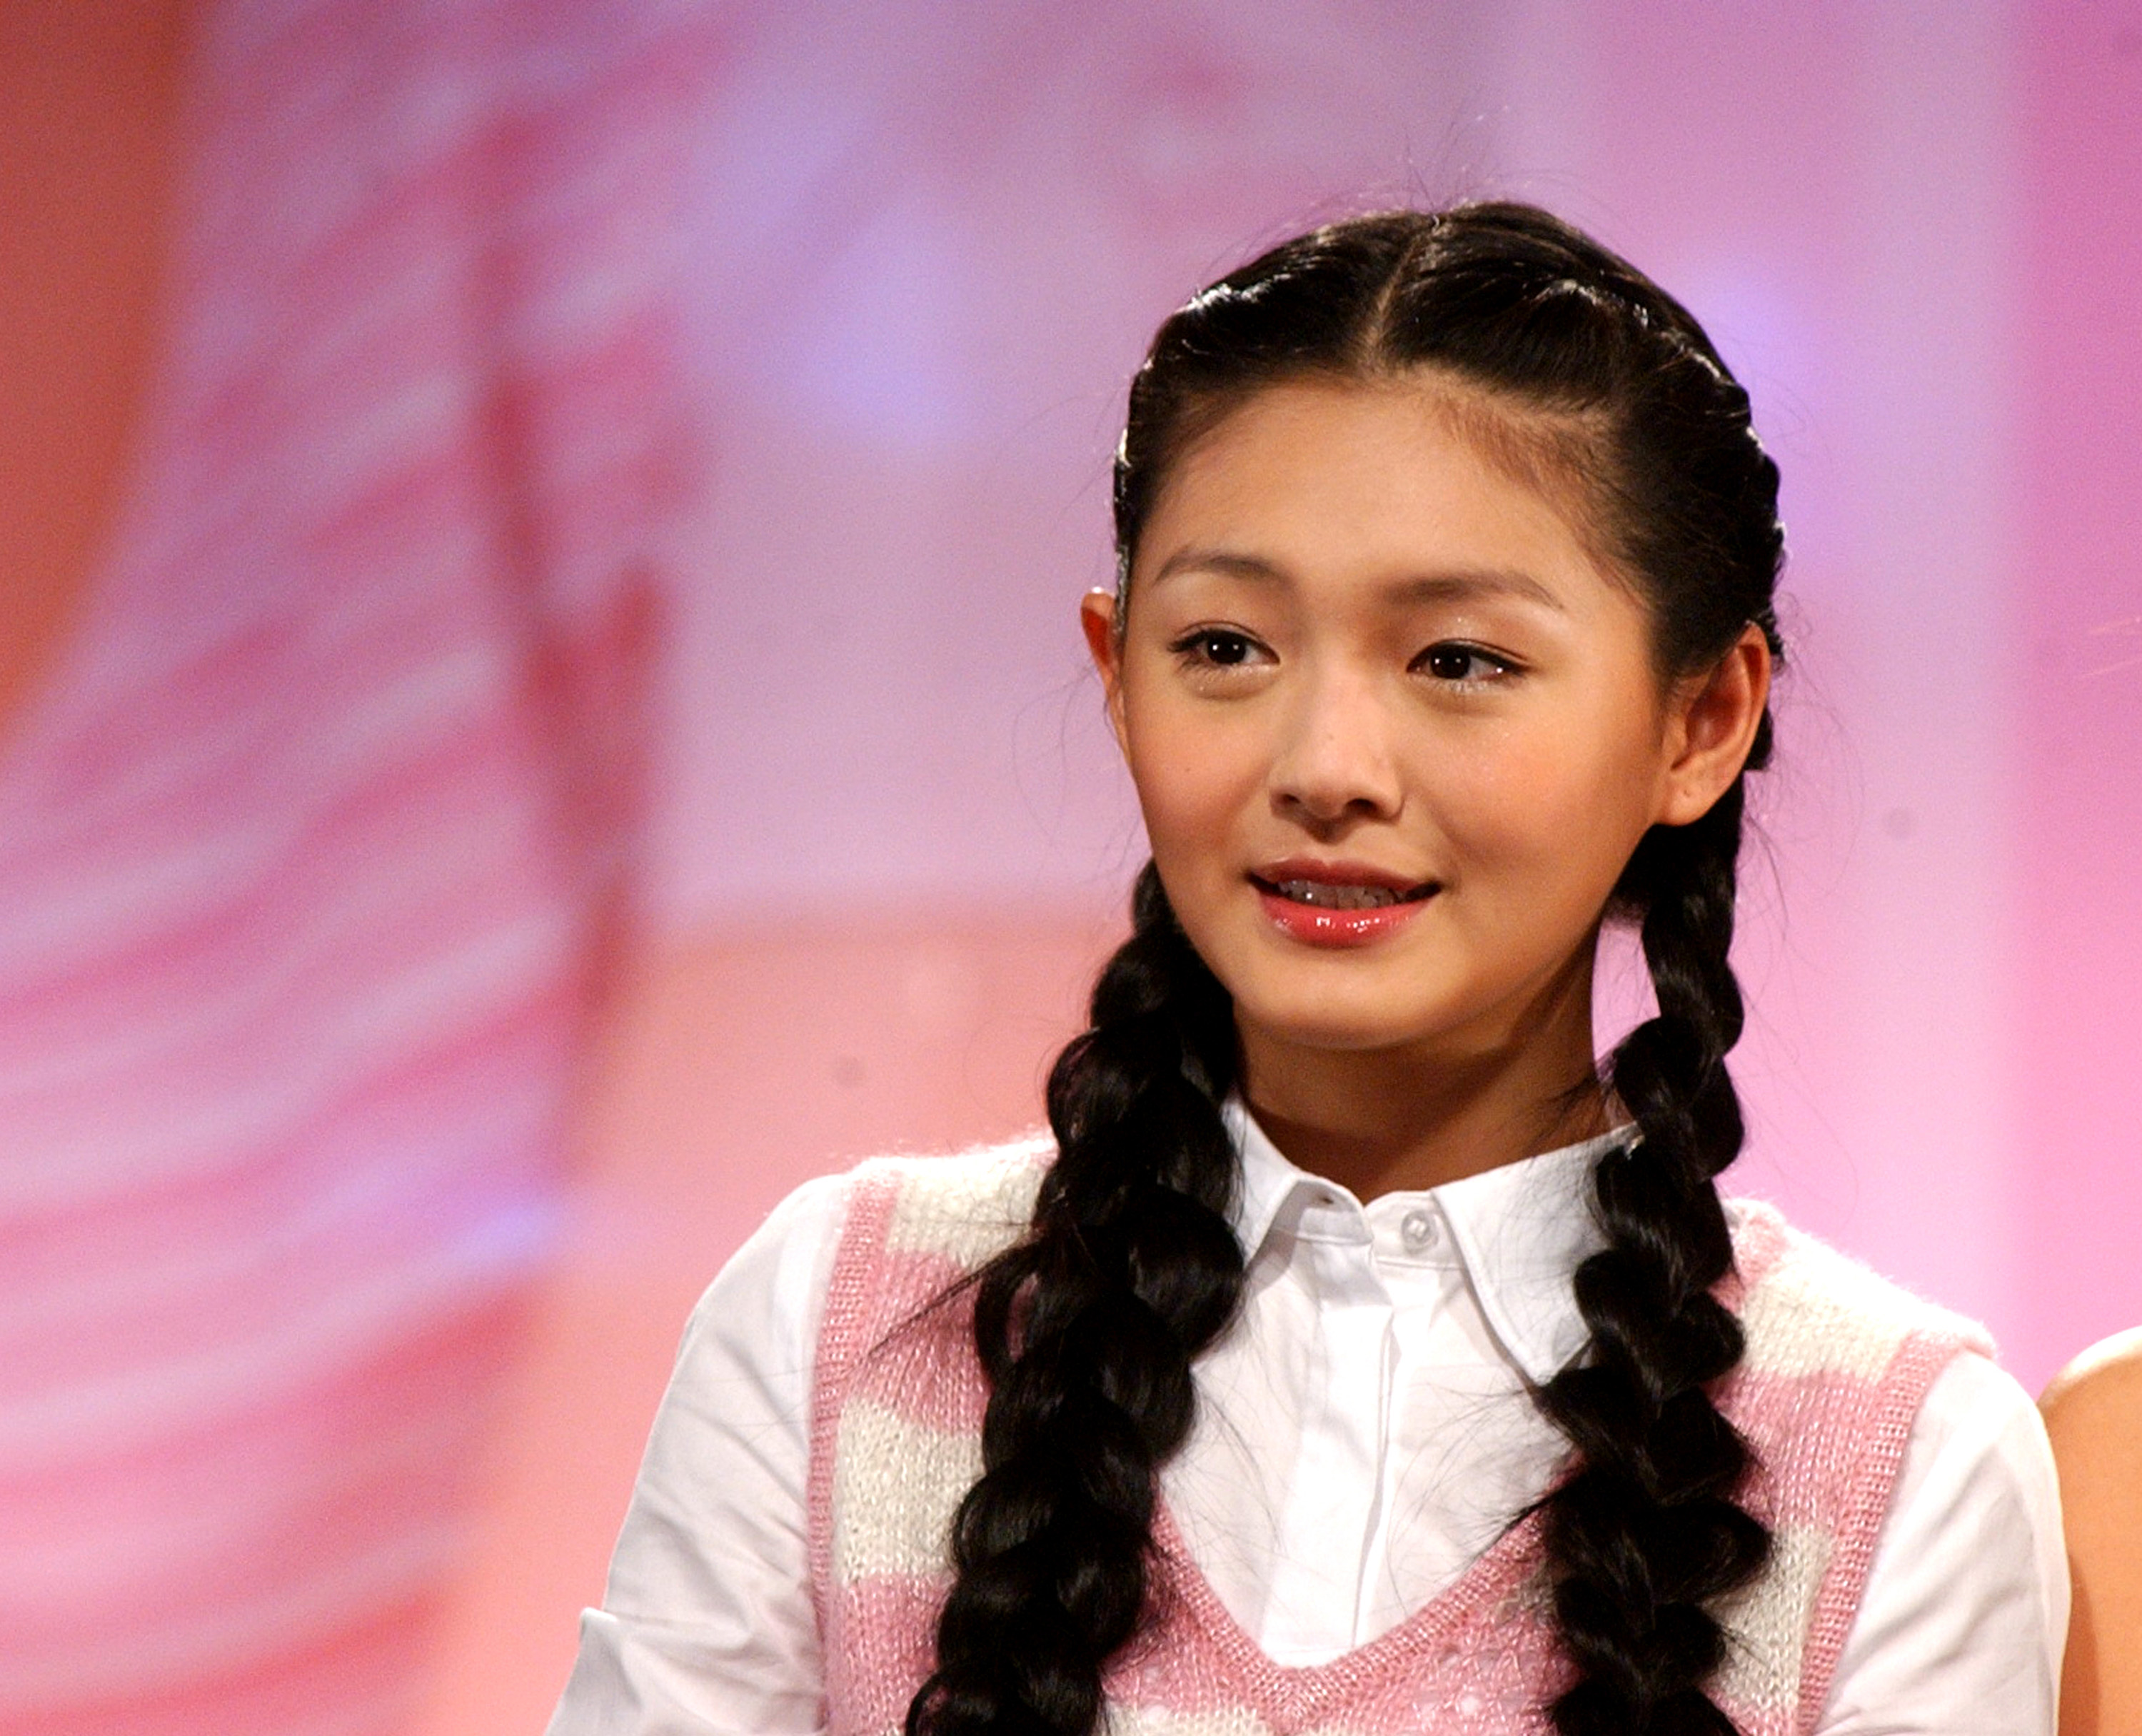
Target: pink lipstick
1337	904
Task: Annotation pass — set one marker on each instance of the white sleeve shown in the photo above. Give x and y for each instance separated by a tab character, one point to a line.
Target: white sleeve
1965	1615
707	1627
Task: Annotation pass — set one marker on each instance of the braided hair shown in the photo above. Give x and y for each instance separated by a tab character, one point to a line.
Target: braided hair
1132	1268
1088	1329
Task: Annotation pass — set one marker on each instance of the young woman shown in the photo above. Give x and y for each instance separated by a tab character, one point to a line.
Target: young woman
2093	1411
1358	1354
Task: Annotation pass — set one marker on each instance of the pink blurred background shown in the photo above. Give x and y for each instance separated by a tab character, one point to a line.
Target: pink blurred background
542	707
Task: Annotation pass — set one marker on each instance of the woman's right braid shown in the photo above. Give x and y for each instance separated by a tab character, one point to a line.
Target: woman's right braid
1647	1534
1087	1331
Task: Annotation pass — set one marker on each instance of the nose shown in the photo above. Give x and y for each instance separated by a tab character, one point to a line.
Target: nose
1335	765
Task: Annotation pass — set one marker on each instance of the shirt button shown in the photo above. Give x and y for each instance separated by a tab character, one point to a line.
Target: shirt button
1417	1230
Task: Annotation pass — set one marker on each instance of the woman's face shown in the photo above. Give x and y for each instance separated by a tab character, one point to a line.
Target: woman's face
1394	731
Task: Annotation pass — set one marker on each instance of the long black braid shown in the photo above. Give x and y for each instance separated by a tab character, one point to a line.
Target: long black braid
1087	1331
1645	1533
1088	1328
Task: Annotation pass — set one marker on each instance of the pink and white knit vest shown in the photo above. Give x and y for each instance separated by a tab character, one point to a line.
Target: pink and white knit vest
1838	1362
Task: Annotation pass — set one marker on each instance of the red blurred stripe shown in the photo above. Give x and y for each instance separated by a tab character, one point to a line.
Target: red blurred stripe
310	855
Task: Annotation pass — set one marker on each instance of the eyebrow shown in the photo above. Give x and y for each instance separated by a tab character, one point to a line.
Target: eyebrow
1459	586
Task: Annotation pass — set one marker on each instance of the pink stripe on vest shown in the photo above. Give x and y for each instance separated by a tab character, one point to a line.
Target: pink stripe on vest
1838	1363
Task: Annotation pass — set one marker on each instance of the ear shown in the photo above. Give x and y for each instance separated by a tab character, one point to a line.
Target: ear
1097	617
1711	727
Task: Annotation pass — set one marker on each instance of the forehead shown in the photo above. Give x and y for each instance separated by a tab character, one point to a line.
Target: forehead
1386	479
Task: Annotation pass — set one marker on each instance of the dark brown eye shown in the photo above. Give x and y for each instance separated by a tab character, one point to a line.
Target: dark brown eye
1456	662
1208	648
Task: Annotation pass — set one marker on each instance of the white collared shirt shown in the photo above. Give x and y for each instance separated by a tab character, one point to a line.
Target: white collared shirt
1363	1431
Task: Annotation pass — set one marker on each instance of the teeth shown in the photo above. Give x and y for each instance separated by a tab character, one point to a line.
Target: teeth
1324	896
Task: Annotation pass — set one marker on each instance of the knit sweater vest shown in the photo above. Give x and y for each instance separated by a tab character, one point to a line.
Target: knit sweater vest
1837	1363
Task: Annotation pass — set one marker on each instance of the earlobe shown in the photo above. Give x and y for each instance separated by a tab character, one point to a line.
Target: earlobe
1097	619
1716	728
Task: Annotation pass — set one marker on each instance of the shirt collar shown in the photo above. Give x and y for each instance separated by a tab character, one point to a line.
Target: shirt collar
1521	1229
1268	1179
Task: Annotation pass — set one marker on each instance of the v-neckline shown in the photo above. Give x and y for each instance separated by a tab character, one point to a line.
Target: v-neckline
1293	1696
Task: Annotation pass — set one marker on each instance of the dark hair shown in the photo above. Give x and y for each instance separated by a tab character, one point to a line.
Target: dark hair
1579	369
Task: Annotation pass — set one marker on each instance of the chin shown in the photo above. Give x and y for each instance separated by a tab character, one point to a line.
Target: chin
1335	1024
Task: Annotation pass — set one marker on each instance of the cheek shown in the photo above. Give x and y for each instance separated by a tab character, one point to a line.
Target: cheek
1194	782
1551	805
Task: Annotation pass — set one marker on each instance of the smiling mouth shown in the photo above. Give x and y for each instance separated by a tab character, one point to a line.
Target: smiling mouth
1331	895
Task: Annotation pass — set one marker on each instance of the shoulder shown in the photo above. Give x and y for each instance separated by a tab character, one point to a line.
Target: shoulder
962	1207
2093	1412
895	1345
912	1230
769	1298
1965	1607
1839	1366
2097	1398
928	1201
1807	1307
1869	1408
1978	1437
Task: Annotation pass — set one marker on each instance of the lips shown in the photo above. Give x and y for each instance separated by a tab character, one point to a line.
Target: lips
1339	904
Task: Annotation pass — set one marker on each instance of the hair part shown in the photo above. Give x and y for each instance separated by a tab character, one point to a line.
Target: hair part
1562	364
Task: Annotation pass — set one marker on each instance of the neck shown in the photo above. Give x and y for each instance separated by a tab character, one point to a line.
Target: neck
1380	1120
